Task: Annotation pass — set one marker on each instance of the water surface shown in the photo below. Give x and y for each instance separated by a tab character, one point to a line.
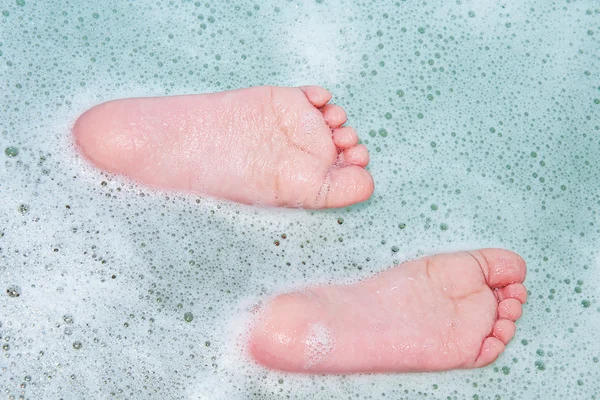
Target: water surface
482	119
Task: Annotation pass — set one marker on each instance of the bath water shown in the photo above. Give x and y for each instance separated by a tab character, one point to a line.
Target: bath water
483	123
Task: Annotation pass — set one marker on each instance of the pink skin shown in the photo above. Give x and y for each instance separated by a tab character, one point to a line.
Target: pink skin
437	313
274	146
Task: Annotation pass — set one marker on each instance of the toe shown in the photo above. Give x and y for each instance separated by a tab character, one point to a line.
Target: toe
510	309
514	291
349	185
358	155
504	330
490	351
335	116
317	95
345	137
500	267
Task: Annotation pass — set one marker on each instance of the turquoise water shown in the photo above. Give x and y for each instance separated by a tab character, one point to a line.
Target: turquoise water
482	119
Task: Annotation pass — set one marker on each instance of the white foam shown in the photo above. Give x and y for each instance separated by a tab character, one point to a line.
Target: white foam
533	82
319	344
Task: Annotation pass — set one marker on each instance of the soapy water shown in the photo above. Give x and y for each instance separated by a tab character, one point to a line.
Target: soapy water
482	123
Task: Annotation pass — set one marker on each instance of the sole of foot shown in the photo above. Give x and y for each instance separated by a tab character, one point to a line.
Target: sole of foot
272	146
438	313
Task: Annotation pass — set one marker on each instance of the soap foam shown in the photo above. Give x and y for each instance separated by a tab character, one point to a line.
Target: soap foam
482	131
319	344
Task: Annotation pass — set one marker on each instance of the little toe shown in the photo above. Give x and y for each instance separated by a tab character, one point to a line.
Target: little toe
317	95
490	350
513	291
500	267
504	330
348	185
358	155
335	116
510	309
345	137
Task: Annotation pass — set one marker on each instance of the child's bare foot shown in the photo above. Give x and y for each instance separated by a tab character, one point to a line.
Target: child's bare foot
266	145
437	313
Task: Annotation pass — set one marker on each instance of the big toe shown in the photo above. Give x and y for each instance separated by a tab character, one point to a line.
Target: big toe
501	267
349	185
490	350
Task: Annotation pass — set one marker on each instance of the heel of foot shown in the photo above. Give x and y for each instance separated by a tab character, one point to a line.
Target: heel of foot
319	344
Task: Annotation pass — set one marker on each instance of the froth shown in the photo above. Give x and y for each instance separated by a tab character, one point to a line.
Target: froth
319	344
481	120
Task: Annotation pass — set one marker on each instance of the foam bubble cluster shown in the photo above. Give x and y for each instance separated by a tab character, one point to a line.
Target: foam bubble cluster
319	344
482	120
